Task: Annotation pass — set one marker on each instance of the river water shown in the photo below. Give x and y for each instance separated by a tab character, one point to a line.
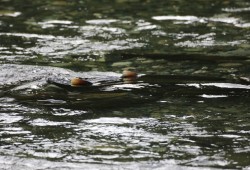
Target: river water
188	109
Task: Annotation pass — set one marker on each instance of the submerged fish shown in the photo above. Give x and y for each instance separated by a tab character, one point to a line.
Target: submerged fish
128	80
78	83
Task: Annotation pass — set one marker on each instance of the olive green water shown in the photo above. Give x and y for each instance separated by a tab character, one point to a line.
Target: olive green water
189	109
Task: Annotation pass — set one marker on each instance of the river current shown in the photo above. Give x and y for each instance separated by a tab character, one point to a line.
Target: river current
187	109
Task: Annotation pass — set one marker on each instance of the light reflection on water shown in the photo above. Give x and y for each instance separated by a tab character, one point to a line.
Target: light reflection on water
191	19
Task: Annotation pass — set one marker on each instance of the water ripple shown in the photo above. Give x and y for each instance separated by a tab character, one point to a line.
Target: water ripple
237	22
10	13
101	21
236	9
43	122
54	23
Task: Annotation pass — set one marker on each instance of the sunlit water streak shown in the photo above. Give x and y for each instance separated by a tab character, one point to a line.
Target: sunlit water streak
191	19
221	85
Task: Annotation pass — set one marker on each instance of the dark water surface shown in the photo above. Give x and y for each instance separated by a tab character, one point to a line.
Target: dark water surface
188	109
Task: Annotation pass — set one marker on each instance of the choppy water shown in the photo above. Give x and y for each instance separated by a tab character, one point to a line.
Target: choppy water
188	109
